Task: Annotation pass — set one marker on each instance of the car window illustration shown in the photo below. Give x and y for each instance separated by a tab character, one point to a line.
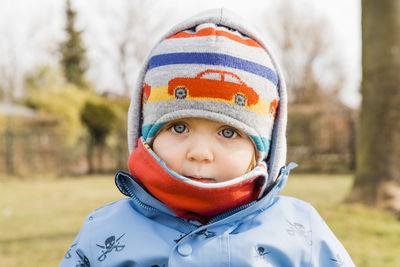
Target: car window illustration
211	76
232	79
230	87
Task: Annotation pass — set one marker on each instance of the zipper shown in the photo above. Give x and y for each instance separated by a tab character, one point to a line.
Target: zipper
144	206
129	192
230	212
141	204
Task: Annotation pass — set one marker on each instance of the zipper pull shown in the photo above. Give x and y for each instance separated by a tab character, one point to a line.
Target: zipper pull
283	175
290	167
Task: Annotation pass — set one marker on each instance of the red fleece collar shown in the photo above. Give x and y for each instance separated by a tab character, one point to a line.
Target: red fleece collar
186	200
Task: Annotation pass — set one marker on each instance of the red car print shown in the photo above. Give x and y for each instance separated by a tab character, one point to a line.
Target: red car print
272	108
222	85
146	93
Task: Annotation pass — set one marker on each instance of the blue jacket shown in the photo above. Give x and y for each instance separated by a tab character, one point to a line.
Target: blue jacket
142	231
271	231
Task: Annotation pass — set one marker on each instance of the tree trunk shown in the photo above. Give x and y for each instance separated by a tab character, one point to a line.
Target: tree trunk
100	151
90	155
378	150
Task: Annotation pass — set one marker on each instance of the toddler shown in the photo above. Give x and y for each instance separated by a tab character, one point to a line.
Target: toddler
206	132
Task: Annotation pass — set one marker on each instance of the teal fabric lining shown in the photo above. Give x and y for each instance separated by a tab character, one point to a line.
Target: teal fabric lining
150	130
261	143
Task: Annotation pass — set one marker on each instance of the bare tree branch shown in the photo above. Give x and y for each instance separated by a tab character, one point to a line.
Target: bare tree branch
305	44
131	30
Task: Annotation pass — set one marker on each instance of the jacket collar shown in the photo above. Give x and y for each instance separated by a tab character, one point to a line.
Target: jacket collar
149	206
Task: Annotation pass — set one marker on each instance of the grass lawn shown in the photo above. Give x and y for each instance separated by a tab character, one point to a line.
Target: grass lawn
40	218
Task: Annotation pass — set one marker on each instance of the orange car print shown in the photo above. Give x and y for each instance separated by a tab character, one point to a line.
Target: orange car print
146	93
229	85
273	107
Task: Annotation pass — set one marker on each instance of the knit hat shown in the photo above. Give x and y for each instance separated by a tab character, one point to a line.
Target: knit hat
212	66
215	72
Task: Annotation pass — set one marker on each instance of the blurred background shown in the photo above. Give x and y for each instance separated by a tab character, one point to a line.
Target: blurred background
67	68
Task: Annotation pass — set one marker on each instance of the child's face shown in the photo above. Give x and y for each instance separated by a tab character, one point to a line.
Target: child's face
204	150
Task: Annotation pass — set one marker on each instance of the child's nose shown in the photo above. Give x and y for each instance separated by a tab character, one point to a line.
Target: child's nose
200	149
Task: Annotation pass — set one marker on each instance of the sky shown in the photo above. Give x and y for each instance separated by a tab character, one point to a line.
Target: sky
31	30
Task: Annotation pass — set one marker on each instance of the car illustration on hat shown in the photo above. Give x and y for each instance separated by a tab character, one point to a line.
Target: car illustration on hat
214	84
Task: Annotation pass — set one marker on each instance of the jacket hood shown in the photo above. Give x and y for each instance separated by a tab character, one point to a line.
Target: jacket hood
277	154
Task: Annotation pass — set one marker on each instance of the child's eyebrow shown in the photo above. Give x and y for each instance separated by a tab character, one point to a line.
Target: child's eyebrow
176	121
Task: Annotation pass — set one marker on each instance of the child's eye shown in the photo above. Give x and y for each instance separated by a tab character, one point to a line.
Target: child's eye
179	128
228	133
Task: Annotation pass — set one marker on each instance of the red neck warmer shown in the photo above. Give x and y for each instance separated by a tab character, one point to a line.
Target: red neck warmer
186	200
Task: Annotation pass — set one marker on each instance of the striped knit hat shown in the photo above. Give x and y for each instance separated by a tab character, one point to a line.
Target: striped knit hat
209	67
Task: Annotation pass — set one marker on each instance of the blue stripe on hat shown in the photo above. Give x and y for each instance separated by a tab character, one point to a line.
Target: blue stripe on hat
213	59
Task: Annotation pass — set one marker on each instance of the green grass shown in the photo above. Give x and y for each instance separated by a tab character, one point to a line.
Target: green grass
40	218
371	236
